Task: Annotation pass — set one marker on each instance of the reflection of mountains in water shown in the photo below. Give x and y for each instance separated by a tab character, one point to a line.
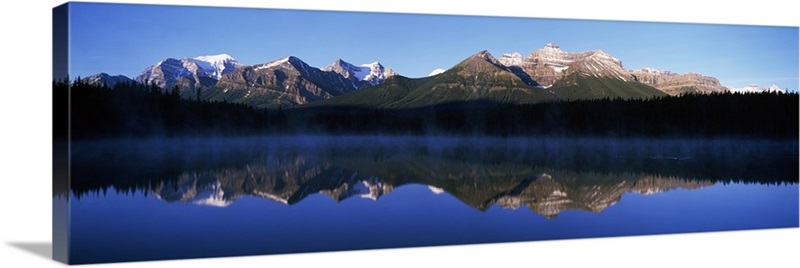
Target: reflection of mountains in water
545	175
511	186
287	183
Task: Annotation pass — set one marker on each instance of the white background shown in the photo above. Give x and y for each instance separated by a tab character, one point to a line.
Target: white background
25	59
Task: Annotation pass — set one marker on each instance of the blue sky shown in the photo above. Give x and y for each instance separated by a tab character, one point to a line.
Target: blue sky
125	39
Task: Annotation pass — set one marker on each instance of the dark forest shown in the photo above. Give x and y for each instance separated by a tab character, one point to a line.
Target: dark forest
136	110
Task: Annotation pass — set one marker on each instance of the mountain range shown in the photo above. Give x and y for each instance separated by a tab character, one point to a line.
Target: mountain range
753	88
290	81
107	79
546	74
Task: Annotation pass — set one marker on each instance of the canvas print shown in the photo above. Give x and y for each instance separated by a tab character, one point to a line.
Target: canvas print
193	132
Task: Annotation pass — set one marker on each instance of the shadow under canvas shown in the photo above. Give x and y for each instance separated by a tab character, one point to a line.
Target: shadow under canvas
41	249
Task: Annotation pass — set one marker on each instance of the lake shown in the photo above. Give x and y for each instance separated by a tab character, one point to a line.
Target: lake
153	199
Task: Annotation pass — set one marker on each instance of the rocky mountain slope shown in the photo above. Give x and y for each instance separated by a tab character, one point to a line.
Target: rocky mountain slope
677	84
188	73
550	64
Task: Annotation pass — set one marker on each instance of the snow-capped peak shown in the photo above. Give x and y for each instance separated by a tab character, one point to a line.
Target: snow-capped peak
551	47
653	71
775	88
374	72
215	58
511	59
600	54
167	61
371	65
551	53
349	70
216	65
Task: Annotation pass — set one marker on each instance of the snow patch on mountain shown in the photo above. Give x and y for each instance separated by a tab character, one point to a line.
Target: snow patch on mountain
436	71
271	64
435	190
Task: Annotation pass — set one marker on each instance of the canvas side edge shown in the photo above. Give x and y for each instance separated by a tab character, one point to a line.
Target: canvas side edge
60	134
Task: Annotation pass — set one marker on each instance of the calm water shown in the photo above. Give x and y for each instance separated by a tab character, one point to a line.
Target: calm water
164	199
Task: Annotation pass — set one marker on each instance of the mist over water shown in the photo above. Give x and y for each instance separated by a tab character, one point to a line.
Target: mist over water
161	159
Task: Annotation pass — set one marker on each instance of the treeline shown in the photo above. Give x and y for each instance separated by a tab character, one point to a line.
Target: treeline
765	115
138	110
145	110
